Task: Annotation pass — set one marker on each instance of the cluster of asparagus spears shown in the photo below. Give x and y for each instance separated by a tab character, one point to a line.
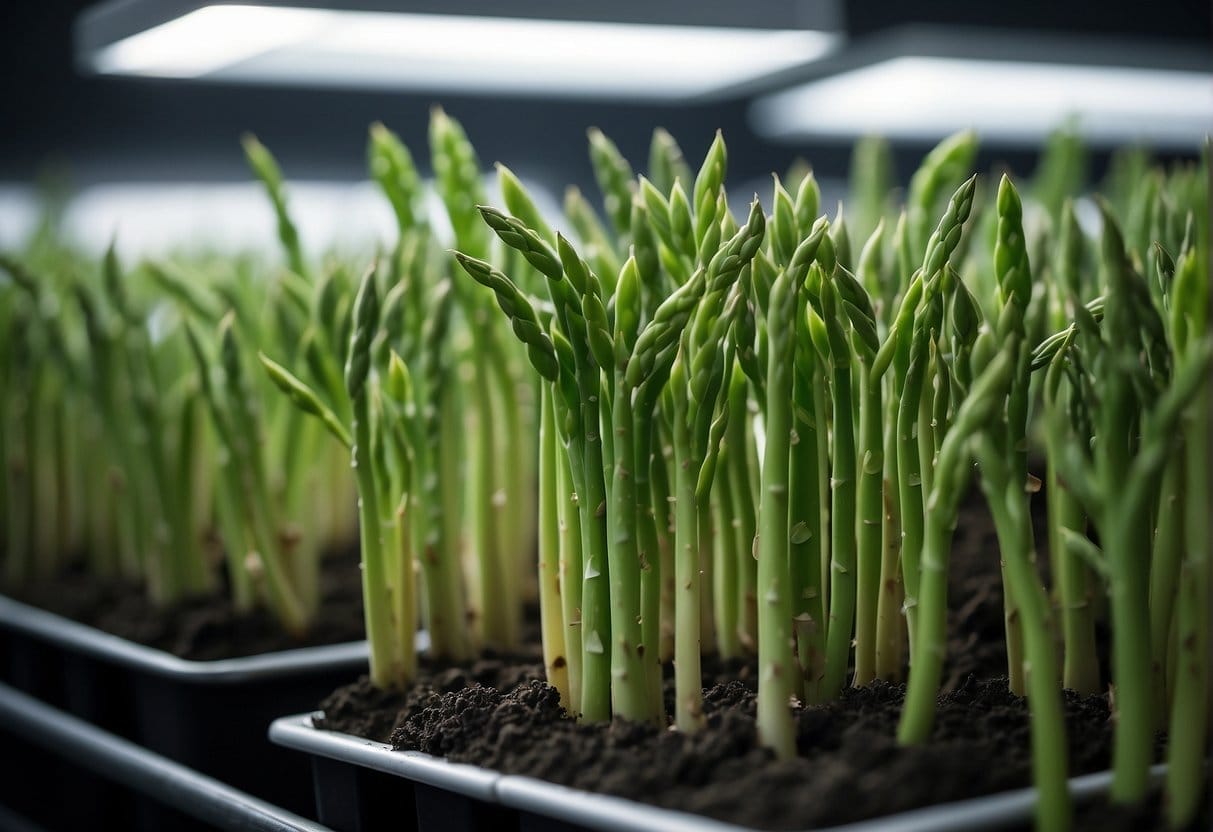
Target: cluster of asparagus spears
754	442
746	435
138	439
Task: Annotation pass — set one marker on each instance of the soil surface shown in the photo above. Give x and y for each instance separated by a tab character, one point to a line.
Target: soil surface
496	713
204	628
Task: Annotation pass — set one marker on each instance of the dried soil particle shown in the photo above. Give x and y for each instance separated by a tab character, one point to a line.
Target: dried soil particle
204	628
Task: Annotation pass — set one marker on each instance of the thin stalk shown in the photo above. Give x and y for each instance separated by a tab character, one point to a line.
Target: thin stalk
775	662
688	680
386	670
438	481
1187	777
1076	586
725	576
630	693
821	434
663	502
708	533
495	624
942	508
650	547
551	616
595	594
1165	560
739	439
808	525
910	493
570	571
870	527
1009	505
843	527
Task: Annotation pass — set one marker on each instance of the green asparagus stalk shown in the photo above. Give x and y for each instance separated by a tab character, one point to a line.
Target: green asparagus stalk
775	662
1190	706
986	397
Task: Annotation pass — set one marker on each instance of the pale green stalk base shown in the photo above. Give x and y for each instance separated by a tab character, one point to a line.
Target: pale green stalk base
926	670
445	606
1075	588
570	576
688	680
843	532
807	523
869	529
707	576
551	619
725	576
775	661
1009	505
630	692
385	668
494	623
595	598
890	617
663	517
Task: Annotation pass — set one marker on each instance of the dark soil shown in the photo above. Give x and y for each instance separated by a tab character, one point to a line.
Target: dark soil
204	628
499	715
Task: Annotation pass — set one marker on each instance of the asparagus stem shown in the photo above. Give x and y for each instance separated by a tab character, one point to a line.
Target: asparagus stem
649	538
775	729
987	394
870	527
741	501
1165	559
663	511
725	576
630	691
570	569
807	546
775	661
1075	582
386	671
552	625
1009	504
1187	745
688	681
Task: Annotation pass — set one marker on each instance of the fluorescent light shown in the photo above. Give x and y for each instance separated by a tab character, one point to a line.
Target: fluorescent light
457	52
928	98
207	40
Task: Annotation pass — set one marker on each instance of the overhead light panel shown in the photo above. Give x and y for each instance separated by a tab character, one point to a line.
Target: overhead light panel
349	47
1017	93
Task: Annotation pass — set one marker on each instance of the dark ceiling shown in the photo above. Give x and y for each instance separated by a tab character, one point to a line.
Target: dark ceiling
105	129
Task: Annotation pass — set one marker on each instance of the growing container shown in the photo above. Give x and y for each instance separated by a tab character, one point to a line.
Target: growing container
208	715
140	789
358	785
362	785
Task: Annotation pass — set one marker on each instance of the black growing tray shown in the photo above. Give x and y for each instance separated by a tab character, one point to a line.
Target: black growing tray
141	790
210	716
